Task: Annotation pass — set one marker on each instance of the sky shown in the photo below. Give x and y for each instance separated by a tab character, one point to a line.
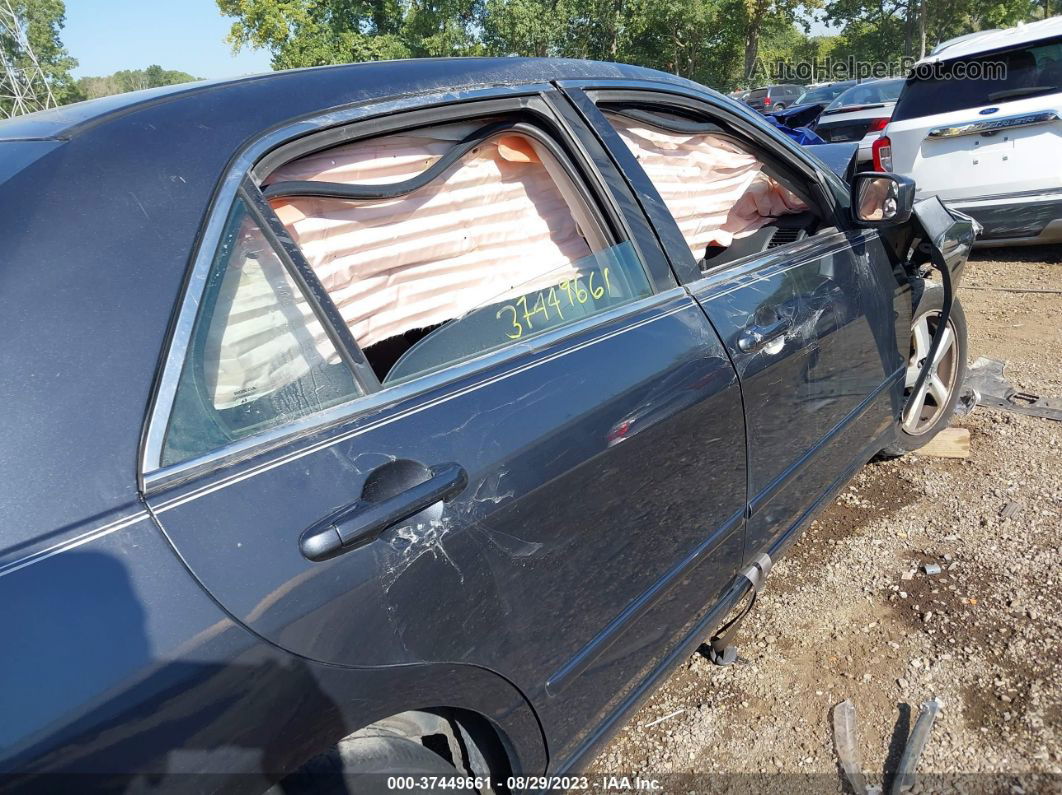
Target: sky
189	35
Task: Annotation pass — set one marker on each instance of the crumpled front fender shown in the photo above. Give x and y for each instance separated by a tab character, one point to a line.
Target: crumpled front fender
949	231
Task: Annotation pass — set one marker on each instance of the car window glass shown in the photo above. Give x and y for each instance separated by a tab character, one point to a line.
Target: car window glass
1032	70
883	91
716	189
602	280
501	224
258	355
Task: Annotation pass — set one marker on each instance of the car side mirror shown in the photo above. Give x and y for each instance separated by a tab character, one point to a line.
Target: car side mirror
881	199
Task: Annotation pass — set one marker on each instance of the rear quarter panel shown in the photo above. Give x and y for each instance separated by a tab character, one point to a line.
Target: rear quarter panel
118	668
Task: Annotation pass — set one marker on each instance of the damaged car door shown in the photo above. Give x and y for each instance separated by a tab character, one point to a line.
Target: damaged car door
441	399
811	310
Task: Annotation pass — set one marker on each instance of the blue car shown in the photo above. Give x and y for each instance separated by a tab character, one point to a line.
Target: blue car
387	421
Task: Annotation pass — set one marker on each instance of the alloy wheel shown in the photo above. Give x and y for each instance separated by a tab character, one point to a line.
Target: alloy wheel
923	411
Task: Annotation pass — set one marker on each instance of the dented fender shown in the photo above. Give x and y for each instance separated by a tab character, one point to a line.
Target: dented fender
950	233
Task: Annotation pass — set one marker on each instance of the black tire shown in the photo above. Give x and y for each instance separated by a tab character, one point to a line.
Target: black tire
363	765
932	302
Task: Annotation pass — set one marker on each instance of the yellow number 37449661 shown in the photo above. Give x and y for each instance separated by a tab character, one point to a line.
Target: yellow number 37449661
520	315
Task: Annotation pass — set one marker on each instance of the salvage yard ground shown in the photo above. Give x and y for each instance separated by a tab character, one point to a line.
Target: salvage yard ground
849	613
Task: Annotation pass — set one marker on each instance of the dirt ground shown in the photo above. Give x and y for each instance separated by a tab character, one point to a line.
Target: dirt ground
849	613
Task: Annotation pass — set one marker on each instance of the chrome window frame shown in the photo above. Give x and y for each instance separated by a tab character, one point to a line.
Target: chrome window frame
152	474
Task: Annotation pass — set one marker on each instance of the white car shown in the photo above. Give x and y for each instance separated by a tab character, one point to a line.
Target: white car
860	114
979	124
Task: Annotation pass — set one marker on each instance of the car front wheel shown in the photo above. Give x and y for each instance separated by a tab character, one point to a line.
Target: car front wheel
929	413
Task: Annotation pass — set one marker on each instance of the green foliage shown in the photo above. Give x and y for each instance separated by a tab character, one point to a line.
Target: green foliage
131	80
34	56
317	32
723	43
704	40
520	27
886	30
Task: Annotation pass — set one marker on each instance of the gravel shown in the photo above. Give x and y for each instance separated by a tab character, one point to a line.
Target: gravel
851	613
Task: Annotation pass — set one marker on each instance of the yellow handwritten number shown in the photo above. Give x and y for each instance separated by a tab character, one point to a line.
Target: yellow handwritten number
595	292
580	292
516	323
555	302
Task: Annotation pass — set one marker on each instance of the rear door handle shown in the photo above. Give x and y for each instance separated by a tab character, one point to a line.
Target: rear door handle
363	521
756	337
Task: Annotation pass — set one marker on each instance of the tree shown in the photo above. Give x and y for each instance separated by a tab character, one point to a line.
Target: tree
131	80
704	40
521	27
317	32
886	30
34	65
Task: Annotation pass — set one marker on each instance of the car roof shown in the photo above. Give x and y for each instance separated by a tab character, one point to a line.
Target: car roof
991	40
376	79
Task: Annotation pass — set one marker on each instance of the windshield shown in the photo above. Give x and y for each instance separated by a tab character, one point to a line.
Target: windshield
1030	71
868	94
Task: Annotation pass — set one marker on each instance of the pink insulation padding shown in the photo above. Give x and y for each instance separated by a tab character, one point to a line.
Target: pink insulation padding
715	190
495	224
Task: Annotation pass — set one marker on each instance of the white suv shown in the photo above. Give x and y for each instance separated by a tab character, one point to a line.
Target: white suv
979	124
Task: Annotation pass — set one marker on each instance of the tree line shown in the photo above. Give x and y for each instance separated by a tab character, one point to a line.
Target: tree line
723	43
130	80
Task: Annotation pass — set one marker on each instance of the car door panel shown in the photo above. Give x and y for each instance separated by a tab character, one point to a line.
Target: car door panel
594	468
603	511
814	330
825	386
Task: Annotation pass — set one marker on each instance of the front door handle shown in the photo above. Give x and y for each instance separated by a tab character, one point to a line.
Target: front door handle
364	521
756	337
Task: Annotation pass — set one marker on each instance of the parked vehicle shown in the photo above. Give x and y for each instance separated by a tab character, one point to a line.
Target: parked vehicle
809	105
770	98
412	417
860	114
978	125
825	93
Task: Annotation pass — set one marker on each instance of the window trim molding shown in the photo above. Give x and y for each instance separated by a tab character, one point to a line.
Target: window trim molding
242	180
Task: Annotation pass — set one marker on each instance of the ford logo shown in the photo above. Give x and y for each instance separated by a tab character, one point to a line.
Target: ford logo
988	111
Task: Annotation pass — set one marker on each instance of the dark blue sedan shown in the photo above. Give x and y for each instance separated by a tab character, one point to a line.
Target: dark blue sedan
416	418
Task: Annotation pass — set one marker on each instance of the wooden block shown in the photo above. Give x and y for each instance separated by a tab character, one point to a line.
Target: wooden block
949	443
